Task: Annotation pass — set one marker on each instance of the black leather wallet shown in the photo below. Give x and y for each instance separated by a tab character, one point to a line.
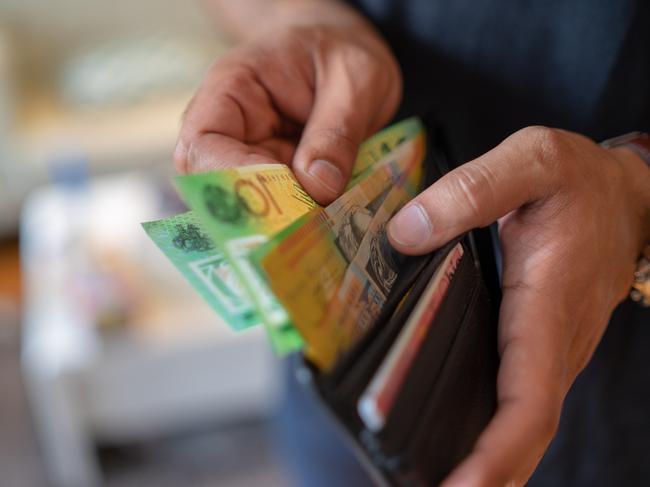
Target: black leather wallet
447	394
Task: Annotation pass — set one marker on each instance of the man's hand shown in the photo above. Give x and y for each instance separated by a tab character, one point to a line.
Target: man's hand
573	218
304	94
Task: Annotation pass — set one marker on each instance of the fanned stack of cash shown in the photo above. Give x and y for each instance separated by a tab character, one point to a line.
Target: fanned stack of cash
261	251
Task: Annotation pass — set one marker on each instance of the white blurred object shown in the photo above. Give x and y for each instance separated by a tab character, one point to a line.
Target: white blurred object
168	364
149	57
125	71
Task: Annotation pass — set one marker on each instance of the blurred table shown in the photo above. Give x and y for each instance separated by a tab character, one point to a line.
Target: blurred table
116	346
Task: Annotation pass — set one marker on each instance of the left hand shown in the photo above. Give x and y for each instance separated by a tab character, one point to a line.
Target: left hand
573	218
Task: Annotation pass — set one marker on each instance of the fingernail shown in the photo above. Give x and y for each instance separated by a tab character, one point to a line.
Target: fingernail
327	174
410	227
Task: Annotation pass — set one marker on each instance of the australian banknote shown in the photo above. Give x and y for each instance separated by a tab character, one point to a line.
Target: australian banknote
240	209
366	283
380	144
183	240
305	265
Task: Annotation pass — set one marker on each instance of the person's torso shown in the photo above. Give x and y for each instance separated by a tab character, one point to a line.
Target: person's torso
486	68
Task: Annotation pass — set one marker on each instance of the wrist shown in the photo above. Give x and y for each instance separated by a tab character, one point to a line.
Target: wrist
637	179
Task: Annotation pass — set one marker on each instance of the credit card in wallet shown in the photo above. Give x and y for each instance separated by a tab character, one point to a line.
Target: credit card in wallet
377	400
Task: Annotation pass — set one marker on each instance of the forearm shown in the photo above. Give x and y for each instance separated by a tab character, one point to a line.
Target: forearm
244	19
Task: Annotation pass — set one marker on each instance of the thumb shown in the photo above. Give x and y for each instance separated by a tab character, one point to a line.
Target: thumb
330	141
475	194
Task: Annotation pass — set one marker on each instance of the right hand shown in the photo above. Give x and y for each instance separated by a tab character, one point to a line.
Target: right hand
303	96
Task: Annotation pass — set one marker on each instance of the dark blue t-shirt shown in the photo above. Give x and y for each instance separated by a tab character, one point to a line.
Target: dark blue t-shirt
486	68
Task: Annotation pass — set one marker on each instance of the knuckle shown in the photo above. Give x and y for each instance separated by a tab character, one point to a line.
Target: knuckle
317	39
235	82
467	186
543	137
180	157
362	60
474	187
333	139
546	143
370	67
301	35
192	155
553	157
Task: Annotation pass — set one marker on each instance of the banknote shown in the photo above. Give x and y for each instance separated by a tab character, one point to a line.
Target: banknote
240	209
366	283
183	240
362	291
306	265
379	145
237	210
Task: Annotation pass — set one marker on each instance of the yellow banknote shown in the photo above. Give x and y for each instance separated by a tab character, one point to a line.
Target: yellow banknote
306	267
365	286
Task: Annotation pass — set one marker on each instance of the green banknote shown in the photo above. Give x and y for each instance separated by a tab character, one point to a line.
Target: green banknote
242	207
183	240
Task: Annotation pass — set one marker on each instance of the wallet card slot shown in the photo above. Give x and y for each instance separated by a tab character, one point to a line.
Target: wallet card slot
412	269
406	413
367	357
461	404
360	362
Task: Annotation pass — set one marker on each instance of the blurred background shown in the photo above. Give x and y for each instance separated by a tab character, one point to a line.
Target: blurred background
112	371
